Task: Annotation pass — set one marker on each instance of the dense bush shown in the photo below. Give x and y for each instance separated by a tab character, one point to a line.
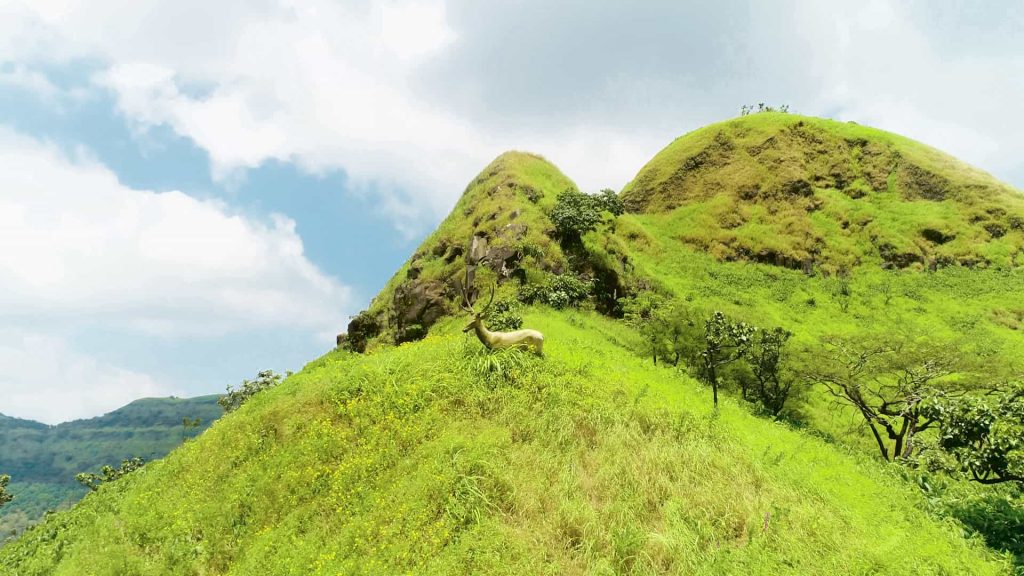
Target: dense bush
609	201
562	291
983	435
235	397
576	213
504	316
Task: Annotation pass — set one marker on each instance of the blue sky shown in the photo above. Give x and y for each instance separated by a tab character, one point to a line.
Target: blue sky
191	192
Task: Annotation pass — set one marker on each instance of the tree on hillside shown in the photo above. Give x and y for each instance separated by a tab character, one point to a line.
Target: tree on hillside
984	434
5	496
725	341
233	400
609	201
774	380
886	381
575	213
646	313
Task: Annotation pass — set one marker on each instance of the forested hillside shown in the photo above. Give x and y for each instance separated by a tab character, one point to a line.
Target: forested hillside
43	460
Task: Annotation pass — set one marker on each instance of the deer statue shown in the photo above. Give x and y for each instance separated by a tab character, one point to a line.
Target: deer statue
530	339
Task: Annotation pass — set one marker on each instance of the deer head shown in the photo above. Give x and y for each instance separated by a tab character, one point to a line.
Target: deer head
466	305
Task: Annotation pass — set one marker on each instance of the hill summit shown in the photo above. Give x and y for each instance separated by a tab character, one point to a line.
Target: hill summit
803	192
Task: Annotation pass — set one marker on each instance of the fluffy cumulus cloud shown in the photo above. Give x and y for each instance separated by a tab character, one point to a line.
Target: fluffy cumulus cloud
47	380
80	252
411	97
75	242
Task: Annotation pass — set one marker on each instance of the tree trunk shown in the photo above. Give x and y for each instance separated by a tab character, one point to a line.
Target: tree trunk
714	383
874	431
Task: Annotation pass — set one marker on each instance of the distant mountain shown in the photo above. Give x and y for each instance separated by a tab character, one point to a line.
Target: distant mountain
43	460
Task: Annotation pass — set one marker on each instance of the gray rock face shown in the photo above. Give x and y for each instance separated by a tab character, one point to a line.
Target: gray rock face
417	305
477	250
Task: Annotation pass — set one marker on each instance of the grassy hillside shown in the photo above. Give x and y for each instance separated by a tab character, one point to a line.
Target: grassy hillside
43	460
436	458
810	193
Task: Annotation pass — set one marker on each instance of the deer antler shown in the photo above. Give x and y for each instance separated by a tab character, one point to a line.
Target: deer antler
465	304
489	302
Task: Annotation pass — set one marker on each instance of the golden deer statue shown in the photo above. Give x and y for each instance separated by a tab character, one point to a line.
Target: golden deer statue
527	338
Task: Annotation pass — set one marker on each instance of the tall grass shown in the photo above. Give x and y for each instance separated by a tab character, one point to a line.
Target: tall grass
440	458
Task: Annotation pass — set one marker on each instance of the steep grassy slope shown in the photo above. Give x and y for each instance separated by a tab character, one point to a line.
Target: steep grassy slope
808	241
806	192
43	460
435	458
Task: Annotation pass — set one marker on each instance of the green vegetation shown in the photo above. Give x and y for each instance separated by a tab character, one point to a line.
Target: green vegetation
812	194
437	457
109	473
576	213
43	460
984	436
5	496
831	281
235	397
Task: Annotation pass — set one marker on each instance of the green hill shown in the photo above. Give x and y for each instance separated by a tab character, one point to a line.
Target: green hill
806	192
434	456
43	460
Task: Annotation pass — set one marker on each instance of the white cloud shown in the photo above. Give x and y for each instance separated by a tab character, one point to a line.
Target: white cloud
323	85
76	243
411	97
879	67
45	379
20	76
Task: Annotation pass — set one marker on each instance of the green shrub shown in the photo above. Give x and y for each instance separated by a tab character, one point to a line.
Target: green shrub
109	473
505	316
575	214
235	397
559	292
610	202
5	496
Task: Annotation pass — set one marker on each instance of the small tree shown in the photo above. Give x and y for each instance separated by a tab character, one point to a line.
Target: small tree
575	214
505	316
773	381
647	313
109	473
885	380
235	397
983	434
5	496
725	342
610	202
